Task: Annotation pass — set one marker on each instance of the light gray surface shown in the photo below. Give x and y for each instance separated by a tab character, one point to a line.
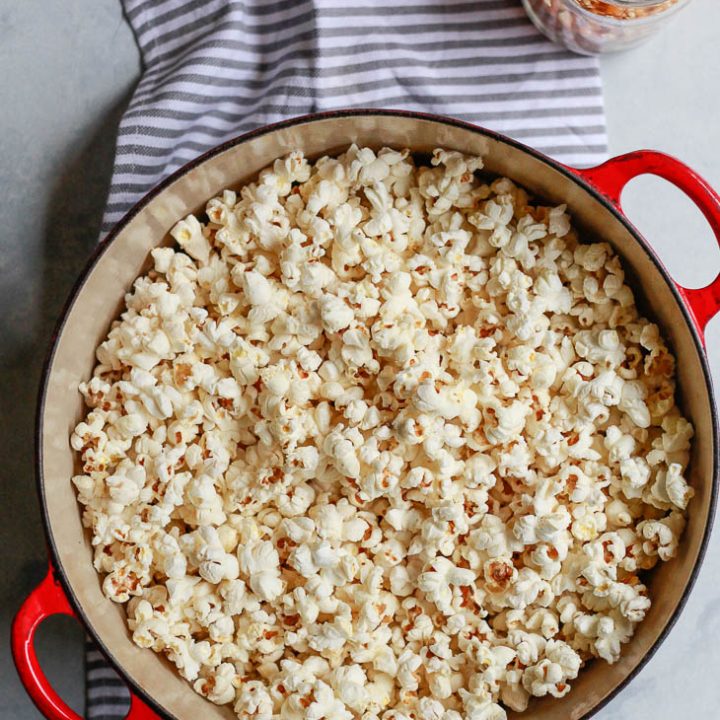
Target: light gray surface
66	69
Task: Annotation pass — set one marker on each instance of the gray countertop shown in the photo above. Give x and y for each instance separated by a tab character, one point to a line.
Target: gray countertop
68	69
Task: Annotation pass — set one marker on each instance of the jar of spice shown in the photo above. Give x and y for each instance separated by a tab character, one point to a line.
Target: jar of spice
591	27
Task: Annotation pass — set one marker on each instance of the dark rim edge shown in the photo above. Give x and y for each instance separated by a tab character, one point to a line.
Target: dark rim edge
104	244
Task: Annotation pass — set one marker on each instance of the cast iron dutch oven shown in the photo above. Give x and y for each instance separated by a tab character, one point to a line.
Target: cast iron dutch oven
593	196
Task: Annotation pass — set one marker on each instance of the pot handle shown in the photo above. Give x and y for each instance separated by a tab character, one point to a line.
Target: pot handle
45	600
611	177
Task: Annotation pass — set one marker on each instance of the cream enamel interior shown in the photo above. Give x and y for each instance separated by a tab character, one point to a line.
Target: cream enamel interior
99	301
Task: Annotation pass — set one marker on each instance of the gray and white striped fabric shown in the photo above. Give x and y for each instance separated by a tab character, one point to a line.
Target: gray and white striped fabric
216	68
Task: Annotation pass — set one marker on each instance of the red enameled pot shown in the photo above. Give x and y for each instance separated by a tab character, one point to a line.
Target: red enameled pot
73	587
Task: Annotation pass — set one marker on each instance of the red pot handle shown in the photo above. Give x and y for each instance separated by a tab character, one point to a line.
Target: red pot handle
611	177
45	600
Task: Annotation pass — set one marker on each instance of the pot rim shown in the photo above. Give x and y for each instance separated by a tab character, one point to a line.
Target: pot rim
569	172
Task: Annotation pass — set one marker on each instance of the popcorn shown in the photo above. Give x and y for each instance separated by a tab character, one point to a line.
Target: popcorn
381	441
670	488
189	236
219	687
437	582
260	562
215	564
661	536
252	700
334	313
549	676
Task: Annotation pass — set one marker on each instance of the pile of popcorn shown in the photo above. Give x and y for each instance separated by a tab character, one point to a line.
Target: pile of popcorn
381	440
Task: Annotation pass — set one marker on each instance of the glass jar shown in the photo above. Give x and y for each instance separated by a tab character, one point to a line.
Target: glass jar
591	27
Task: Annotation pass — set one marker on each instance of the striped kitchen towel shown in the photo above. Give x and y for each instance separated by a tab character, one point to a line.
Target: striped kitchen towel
216	68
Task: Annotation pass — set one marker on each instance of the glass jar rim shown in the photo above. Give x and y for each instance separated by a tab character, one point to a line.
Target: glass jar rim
651	9
636	3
